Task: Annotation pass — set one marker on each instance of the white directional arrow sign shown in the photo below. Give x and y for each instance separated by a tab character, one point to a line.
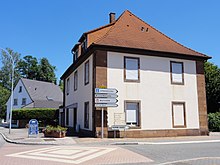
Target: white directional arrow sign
107	90
105	105
106	95
105	100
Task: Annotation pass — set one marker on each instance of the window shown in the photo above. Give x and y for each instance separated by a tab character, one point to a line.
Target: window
131	69
68	86
76	54
86	73
15	102
132	113
177	76
67	116
23	101
86	115
84	46
20	89
178	115
75	80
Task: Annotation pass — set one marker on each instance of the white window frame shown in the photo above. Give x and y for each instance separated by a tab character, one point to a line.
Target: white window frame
86	73
136	123
131	74
75	80
177	75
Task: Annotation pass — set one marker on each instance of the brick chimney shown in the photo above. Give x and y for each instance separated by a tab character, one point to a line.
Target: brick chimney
111	17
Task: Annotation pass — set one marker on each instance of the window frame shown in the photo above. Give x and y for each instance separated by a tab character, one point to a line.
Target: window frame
86	115
138	113
129	80
85	73
15	102
24	102
20	89
184	114
75	80
171	73
67	116
67	86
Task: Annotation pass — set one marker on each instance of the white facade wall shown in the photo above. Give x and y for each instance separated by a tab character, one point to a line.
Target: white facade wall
154	90
19	96
81	95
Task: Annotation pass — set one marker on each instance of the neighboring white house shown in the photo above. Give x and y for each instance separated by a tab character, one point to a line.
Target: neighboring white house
34	94
160	83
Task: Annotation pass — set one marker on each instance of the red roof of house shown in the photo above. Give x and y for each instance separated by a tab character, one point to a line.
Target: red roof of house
132	32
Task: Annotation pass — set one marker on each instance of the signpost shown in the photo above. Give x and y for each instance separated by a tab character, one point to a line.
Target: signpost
105	98
33	127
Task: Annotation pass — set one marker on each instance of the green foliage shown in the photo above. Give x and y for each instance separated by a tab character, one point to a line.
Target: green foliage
50	128
46	71
28	67
44	115
214	121
4	95
212	77
61	84
6	69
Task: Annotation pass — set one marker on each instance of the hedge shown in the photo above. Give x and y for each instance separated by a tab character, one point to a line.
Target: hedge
43	115
214	121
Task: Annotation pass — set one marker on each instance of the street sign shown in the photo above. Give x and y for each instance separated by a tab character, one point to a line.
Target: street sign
106	100
33	127
106	90
119	127
106	105
106	95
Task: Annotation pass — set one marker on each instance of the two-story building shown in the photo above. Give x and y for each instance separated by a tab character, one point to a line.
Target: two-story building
160	83
34	94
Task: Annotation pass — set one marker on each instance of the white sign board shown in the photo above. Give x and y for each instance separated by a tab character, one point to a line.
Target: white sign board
106	95
119	119
105	105
106	100
106	90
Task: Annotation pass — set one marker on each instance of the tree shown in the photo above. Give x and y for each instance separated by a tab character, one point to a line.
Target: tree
212	77
4	95
46	71
6	69
61	84
28	67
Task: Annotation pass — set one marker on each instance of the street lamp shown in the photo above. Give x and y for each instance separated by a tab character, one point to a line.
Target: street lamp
12	86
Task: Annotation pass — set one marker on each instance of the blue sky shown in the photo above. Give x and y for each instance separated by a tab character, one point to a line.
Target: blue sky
50	28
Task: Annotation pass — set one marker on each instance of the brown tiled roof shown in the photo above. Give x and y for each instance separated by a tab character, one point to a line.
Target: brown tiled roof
132	32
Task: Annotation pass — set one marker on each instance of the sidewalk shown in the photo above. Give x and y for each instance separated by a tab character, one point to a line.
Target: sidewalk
20	136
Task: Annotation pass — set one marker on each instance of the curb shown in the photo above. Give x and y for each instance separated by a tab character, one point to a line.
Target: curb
166	143
25	143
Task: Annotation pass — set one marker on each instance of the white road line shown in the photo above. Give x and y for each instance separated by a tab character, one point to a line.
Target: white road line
182	142
187	160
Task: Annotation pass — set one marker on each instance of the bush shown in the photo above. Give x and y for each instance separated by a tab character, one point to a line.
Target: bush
50	128
43	115
214	121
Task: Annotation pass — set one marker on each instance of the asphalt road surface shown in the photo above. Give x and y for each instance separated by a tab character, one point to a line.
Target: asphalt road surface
187	154
150	154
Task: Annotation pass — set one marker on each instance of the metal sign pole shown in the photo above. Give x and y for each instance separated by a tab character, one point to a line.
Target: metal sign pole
102	123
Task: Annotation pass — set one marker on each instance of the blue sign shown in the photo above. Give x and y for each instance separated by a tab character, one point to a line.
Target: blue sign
33	127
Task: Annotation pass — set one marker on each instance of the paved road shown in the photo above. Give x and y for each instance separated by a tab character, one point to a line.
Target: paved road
173	154
203	153
2	142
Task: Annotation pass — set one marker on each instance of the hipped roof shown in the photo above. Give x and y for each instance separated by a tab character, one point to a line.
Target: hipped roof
129	31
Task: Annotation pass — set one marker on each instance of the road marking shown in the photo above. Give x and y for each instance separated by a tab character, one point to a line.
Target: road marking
187	160
182	142
64	154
